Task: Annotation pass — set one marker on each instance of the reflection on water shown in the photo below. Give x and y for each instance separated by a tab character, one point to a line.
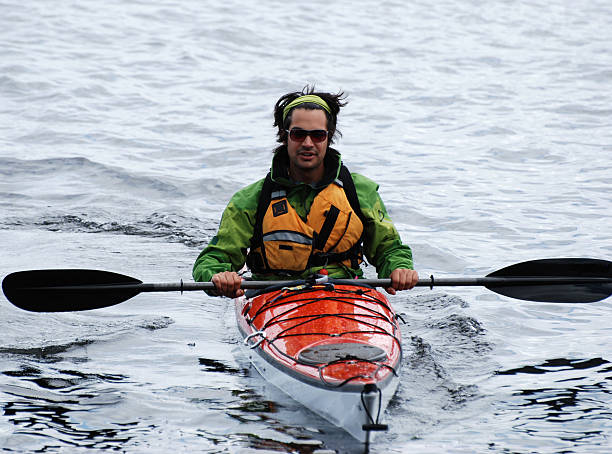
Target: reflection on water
571	406
304	447
56	408
56	423
213	365
558	364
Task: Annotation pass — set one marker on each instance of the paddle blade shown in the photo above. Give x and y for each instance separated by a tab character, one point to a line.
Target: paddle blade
67	290
557	292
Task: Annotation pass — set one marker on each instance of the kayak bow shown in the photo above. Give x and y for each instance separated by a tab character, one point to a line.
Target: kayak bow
335	348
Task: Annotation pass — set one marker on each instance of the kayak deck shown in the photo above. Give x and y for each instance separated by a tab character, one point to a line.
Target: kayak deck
334	348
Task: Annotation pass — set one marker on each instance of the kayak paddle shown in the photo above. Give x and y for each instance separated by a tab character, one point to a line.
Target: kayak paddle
561	280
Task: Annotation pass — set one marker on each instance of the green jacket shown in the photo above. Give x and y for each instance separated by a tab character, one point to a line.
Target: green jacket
227	250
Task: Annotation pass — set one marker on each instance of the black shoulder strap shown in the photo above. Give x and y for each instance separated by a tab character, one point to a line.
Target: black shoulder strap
254	260
264	200
351	193
356	252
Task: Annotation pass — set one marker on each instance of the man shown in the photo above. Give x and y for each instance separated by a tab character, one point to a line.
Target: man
308	214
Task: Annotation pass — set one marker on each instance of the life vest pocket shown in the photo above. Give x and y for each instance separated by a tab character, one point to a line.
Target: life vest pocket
290	250
291	257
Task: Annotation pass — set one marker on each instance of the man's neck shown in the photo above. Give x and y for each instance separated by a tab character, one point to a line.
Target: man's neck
309	177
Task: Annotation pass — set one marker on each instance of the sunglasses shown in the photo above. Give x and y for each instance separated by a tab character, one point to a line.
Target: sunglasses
299	135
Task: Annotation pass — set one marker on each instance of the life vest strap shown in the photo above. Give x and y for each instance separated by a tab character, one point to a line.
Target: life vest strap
330	221
327	258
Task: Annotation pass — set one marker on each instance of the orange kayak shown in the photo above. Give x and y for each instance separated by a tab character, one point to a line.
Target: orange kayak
334	348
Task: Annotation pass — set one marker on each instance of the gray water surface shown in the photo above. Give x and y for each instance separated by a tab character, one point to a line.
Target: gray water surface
126	126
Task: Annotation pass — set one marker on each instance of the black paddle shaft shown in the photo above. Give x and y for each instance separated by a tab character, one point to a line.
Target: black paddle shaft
570	280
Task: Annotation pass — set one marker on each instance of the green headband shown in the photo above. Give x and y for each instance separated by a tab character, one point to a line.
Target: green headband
304	99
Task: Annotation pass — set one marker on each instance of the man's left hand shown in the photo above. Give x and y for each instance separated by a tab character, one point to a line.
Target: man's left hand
402	279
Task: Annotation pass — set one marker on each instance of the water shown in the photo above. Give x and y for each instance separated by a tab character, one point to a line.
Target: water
125	128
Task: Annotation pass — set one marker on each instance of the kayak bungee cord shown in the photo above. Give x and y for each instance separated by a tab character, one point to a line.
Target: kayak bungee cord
281	300
308	289
349	301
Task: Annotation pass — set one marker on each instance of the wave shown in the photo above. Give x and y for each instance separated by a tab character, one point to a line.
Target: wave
568	401
74	377
46	412
557	365
45	351
462	325
428	386
83	196
75	176
172	227
48	339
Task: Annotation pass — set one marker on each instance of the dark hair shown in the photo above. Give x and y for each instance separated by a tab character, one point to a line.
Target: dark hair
334	101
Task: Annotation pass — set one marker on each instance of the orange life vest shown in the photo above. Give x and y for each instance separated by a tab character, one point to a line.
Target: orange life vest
284	243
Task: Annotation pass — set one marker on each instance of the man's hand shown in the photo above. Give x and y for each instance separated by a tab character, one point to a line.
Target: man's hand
402	279
227	284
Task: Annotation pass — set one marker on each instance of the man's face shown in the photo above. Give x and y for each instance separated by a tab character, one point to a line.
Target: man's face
306	157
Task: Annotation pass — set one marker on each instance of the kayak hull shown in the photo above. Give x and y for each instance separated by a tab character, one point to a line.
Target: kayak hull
336	349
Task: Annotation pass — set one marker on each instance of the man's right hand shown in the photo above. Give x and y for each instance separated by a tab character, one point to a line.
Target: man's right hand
227	284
